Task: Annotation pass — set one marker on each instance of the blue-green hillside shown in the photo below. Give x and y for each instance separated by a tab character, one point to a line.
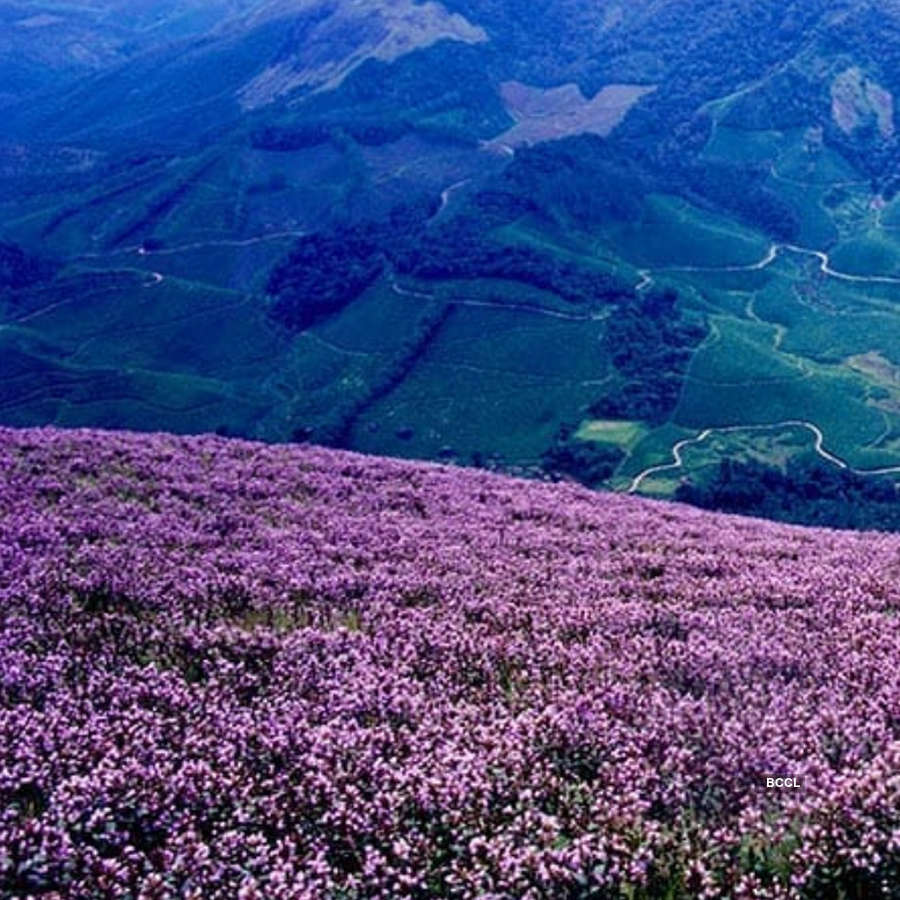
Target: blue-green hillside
651	247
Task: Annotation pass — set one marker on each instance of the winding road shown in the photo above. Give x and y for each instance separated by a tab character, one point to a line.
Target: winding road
199	245
770	257
827	269
645	282
158	277
488	304
665	467
824	266
196	245
819	447
447	193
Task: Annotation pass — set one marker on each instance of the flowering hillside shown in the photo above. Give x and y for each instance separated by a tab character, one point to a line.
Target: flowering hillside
232	670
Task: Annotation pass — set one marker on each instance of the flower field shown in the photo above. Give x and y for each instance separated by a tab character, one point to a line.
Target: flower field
236	671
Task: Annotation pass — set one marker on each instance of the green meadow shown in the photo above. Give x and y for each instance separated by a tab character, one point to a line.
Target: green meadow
673	233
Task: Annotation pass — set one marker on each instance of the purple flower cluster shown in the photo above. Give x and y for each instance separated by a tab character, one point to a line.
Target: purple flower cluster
238	671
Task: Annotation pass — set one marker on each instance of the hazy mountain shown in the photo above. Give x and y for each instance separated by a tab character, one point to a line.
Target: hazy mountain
180	61
42	43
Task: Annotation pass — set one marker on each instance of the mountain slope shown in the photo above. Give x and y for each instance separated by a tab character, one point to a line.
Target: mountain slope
240	670
46	45
381	31
446	232
243	60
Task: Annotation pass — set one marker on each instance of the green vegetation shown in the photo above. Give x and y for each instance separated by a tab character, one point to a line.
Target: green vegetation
591	463
189	244
674	233
322	275
621	434
19	270
474	398
871	253
650	344
805	494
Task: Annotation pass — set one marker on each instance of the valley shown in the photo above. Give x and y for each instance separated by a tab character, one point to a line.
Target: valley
521	230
